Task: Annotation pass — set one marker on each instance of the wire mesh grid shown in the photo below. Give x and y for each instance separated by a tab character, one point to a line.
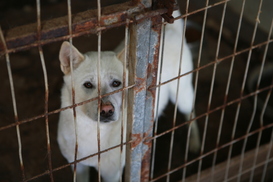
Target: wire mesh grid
232	81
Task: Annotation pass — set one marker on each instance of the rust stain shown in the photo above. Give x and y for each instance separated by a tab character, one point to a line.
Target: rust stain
152	76
140	84
137	139
144	138
84	26
170	6
145	166
114	18
145	163
152	67
24	37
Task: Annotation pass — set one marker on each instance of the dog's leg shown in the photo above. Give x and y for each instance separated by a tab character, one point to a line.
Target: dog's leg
110	175
185	105
194	145
82	172
110	170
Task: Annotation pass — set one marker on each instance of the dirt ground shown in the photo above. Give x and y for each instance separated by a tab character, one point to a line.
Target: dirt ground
28	80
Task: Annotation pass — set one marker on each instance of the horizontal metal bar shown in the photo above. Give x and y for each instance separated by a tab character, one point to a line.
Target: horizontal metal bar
26	36
61	109
218	60
235	162
240	99
47	172
232	142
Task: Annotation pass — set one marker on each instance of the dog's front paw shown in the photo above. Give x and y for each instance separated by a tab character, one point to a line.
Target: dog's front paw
195	143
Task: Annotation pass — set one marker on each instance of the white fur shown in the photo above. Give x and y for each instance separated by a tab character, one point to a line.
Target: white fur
170	69
85	69
86	116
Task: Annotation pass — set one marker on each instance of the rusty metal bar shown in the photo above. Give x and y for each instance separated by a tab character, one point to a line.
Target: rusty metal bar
229	80
16	118
70	33
242	90
99	89
155	86
32	119
156	114
238	100
38	7
256	100
136	97
77	161
220	169
150	95
186	164
269	94
179	72
136	104
24	37
124	97
143	55
192	114
57	29
205	125
232	142
271	140
212	84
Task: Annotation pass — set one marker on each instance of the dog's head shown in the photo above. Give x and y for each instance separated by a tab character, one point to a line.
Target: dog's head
85	80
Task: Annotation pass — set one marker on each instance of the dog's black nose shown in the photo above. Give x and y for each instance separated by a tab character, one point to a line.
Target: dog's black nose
107	110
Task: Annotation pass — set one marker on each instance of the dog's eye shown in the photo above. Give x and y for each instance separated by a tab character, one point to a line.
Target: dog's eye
116	83
88	85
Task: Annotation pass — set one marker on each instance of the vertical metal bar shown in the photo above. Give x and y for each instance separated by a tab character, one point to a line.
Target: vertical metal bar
154	44
124	96
177	90
14	105
228	85
192	114
176	102
196	84
157	99
205	127
46	88
255	100
144	49
262	114
72	88
99	86
242	90
136	103
265	170
221	122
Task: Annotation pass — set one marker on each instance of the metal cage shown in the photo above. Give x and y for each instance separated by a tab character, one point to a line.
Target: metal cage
231	47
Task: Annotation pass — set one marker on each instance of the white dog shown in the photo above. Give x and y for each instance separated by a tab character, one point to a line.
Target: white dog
111	73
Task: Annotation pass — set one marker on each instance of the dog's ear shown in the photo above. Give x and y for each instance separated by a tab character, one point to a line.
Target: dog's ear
121	55
64	57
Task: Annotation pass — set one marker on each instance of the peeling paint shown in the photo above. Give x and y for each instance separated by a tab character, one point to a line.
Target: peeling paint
110	20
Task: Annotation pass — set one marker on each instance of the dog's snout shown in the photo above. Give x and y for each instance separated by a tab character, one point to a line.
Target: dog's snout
106	110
